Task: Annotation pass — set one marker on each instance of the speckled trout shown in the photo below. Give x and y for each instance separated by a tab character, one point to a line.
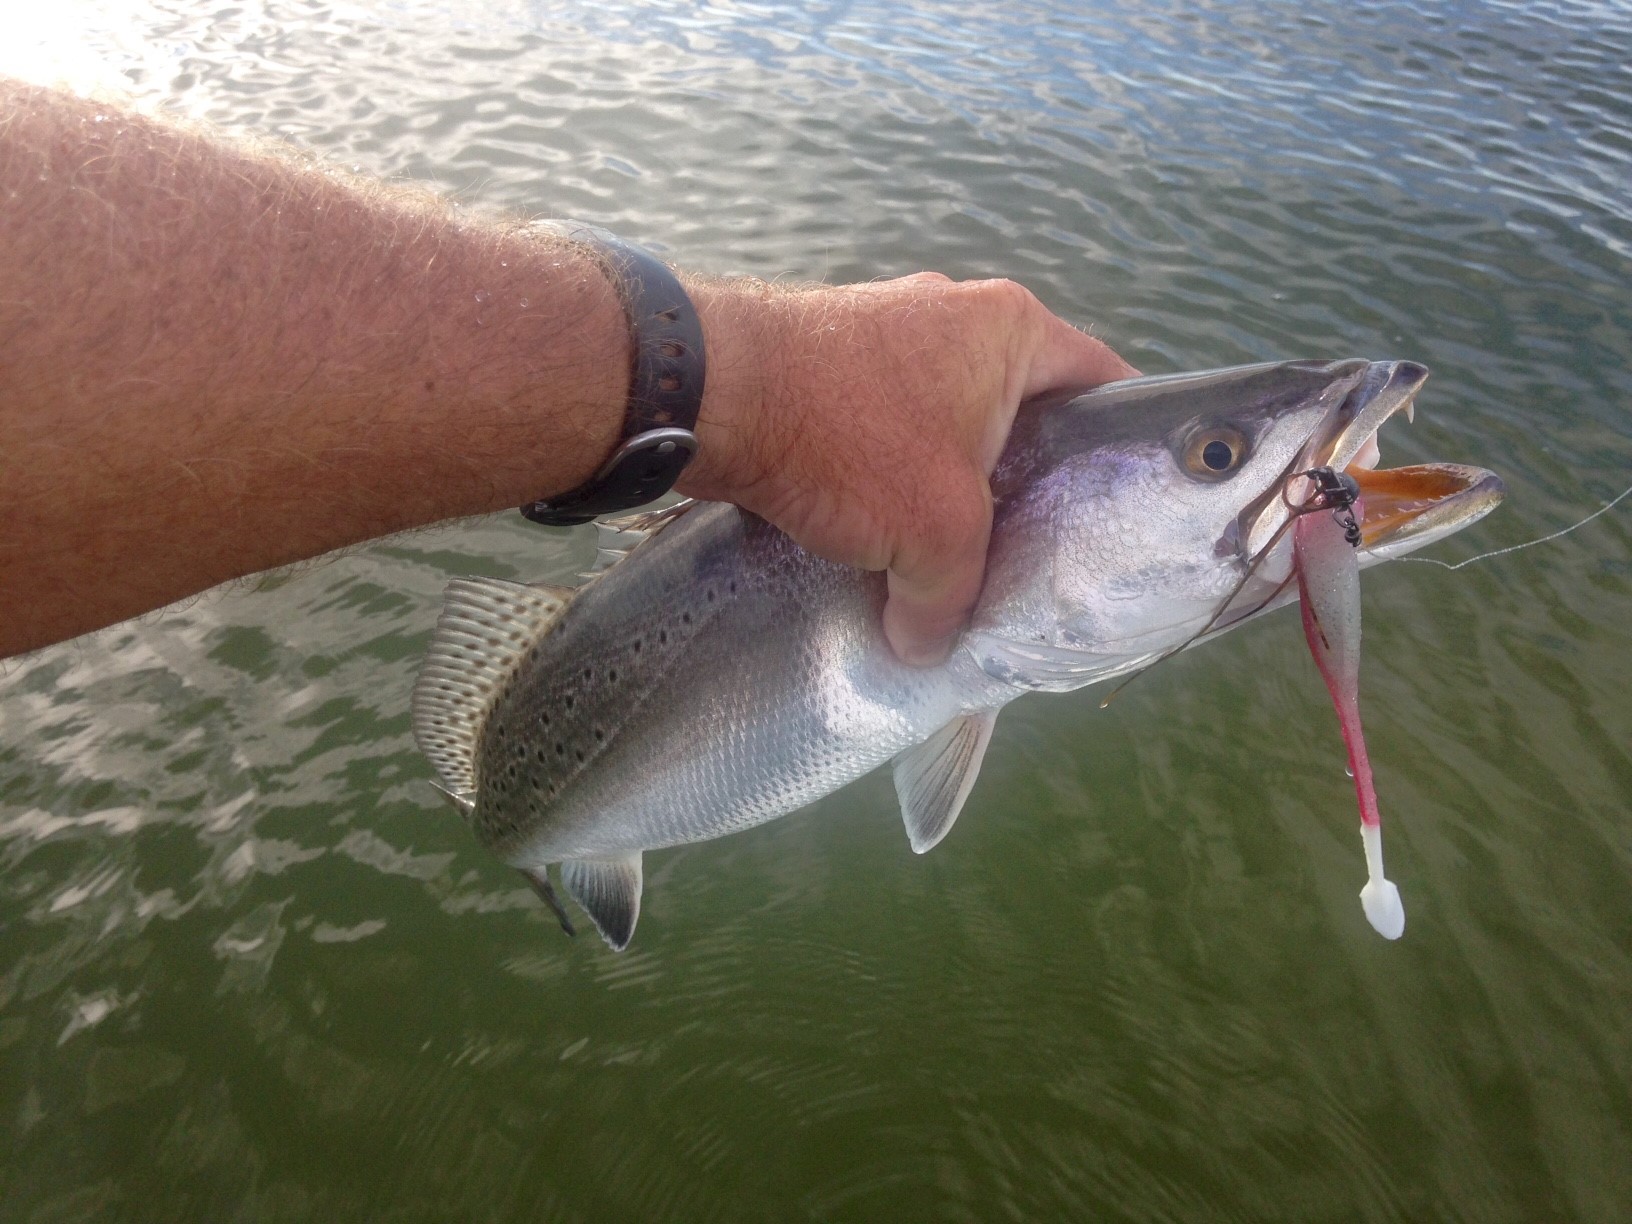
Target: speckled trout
714	676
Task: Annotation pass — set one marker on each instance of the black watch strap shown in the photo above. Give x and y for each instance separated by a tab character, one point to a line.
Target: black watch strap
666	377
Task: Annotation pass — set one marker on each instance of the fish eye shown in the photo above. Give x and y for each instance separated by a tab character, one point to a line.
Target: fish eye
1213	451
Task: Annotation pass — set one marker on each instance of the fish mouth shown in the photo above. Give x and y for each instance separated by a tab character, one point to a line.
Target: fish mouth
1400	509
1404	508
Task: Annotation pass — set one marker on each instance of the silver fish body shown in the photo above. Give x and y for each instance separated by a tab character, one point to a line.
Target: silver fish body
717	679
719	676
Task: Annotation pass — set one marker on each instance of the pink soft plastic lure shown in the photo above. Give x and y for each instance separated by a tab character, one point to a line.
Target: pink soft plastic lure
1328	570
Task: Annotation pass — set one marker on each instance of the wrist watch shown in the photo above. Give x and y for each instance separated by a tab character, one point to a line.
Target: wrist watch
666	376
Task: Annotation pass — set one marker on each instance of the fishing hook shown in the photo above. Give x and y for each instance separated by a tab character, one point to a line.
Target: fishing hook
1335	491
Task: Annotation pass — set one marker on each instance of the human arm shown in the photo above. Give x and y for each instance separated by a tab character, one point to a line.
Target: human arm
216	358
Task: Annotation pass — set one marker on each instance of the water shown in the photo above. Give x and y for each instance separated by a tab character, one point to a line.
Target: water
250	968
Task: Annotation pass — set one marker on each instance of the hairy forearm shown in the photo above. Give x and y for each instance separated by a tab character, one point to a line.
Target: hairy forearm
219	358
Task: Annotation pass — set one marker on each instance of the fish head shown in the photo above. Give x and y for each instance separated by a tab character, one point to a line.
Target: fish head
1135	517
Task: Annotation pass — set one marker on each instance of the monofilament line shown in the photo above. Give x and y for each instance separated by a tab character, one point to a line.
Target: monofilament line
1497	552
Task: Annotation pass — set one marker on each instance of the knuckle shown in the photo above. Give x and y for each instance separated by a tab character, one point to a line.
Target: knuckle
1010	295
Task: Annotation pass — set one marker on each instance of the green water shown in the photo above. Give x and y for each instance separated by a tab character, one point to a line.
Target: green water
251	969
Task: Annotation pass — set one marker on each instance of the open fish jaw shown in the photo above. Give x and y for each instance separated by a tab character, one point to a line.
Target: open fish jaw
1408	508
1404	508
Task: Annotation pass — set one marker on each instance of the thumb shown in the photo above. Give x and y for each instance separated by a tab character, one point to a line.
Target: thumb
935	578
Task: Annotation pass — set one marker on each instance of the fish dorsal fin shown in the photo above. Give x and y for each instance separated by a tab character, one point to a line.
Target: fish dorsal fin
933	779
463	802
650	522
487	624
609	891
616	538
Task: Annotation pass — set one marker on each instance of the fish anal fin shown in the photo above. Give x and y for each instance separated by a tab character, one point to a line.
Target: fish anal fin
539	878
933	780
486	627
609	891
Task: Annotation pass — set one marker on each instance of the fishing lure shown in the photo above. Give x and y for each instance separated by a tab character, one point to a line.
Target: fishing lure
1328	572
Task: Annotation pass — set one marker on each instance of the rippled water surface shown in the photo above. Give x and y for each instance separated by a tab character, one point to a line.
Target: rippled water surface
251	968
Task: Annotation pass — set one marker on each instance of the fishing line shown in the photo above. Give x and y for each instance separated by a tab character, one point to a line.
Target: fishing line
1497	552
1315	502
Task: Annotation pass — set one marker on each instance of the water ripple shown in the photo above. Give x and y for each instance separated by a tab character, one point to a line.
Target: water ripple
251	966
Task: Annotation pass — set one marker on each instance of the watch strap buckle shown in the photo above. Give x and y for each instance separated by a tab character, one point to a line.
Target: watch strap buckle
641	470
666	377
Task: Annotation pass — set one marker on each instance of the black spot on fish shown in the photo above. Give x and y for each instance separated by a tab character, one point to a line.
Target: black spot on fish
599	735
579	753
685	617
663	637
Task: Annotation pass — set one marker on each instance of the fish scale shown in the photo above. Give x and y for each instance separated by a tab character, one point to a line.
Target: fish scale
718	676
769	745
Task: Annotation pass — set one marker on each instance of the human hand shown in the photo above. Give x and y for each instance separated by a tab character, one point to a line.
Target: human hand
865	420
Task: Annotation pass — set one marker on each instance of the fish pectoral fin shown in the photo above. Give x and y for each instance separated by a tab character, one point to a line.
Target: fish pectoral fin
609	891
933	779
539	878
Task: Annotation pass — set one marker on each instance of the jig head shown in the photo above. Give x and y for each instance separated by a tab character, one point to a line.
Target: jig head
1335	491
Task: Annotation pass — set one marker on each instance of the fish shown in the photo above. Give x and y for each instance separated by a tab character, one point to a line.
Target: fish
711	675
